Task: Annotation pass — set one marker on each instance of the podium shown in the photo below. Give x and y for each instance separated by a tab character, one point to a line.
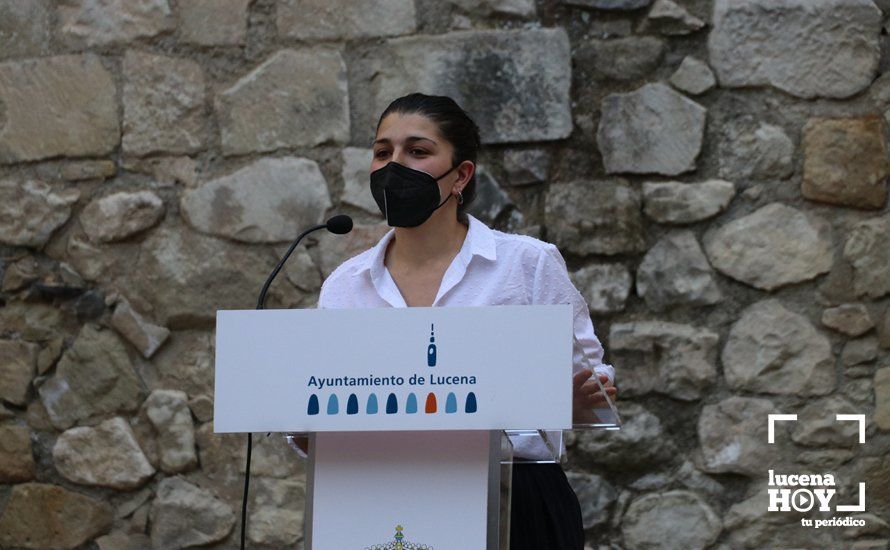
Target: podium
414	415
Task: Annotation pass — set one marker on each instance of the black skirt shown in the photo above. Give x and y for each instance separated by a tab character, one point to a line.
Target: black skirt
544	511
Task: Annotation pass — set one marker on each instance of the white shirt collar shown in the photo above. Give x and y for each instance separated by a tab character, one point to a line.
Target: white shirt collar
479	241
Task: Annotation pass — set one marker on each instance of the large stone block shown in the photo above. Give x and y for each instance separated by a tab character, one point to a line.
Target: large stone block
222	461
775	246
187	276
605	287
693	76
101	22
808	48
16	460
527	166
345	20
675	272
514	83
35	322
163	105
277	513
650	130
120	215
595	217
676	202
106	455
214	22
627	58
773	350
184	515
18	365
169	414
270	200
38	515
733	437
845	162
56	106
859	351
867	251
145	336
756	150
186	363
94	377
668	358
304	103
849	319
24	28
673	519
31	211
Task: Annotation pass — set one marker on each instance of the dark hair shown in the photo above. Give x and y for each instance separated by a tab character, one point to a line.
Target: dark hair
456	127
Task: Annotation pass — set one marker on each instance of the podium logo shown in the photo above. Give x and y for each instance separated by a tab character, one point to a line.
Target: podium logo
804	492
431	349
399	543
425	401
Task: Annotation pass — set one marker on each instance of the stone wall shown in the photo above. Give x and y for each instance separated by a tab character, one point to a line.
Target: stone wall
714	173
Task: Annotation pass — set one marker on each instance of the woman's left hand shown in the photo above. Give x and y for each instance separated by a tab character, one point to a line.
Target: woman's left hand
586	393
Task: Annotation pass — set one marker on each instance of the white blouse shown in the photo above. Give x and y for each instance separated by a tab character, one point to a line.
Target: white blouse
492	268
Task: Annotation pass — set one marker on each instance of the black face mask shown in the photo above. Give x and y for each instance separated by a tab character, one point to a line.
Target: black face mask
406	197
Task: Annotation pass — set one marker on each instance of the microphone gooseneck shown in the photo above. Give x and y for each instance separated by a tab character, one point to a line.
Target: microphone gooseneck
340	225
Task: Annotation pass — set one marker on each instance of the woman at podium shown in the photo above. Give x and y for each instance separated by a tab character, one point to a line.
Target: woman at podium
423	180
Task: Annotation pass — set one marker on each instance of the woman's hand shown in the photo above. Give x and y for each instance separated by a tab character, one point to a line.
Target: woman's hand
586	394
300	444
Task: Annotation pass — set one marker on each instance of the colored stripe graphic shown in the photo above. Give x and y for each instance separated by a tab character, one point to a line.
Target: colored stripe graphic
313	405
430	403
333	404
411	405
471	403
372	404
352	404
451	403
392	404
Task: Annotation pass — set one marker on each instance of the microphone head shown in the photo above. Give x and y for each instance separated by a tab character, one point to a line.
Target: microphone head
339	224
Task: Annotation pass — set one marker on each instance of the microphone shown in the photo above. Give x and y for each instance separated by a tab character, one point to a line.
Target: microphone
339	225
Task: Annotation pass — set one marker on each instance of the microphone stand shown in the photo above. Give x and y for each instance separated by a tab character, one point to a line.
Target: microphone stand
337	224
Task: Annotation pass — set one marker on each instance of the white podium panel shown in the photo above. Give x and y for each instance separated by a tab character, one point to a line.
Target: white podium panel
387	369
426	490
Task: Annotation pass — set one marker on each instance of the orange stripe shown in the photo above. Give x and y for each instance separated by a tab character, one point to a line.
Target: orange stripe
431	403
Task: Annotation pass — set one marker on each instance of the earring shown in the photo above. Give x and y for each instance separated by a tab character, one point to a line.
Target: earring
460	198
